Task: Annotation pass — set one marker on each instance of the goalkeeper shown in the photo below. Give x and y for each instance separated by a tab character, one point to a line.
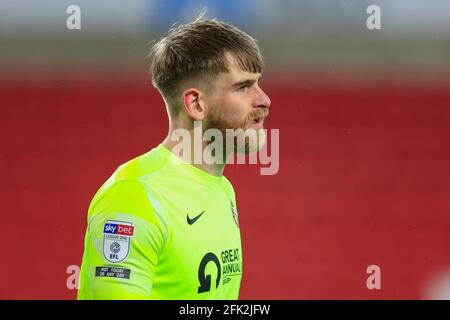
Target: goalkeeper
165	226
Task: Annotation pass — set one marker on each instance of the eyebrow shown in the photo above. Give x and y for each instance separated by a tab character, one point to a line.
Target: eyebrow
247	82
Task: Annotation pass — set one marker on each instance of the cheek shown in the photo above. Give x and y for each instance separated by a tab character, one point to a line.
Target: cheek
236	107
230	111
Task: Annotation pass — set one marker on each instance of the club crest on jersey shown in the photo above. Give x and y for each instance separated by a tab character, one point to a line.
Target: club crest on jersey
116	240
234	213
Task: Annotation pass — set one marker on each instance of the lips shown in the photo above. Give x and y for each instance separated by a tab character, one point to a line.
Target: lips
257	123
256	119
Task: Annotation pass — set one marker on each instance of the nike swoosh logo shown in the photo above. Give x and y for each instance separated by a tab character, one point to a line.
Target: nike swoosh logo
191	221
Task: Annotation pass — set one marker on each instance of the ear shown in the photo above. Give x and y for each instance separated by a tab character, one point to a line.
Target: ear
192	105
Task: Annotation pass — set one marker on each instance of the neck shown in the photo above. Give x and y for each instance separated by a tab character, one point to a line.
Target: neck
214	168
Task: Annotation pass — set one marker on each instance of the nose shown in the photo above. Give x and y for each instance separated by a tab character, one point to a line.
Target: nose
262	100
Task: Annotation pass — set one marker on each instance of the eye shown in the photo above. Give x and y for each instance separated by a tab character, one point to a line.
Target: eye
243	88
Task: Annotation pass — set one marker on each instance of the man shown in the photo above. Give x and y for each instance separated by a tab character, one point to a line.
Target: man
165	226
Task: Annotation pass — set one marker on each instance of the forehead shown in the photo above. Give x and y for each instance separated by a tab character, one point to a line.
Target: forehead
235	72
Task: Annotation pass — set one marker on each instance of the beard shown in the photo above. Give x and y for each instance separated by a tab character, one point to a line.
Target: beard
239	136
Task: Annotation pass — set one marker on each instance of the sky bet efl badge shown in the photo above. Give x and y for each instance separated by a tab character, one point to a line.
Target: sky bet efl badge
116	243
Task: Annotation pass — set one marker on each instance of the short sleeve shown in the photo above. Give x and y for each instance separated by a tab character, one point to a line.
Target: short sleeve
125	237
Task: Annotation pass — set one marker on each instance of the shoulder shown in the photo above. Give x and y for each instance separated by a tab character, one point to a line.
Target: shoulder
151	162
126	190
134	173
228	187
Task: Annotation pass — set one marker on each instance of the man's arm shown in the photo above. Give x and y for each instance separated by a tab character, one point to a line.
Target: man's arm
124	239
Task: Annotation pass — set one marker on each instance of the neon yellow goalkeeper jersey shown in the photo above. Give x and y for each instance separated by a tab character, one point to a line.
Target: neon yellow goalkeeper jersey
160	228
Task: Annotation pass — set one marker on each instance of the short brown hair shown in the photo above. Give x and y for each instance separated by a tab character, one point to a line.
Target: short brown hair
197	50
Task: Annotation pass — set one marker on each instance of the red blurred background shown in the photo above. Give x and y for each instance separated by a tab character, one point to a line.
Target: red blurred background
363	180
